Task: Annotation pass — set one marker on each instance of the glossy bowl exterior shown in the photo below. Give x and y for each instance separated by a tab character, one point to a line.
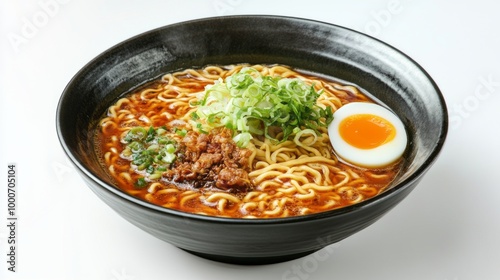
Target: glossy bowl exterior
390	76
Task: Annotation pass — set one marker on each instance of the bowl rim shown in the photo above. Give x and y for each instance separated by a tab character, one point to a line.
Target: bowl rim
420	171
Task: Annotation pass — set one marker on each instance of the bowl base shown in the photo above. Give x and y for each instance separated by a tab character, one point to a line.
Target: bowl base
250	260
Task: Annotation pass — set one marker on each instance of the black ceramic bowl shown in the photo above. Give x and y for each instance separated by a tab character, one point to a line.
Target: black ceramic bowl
392	78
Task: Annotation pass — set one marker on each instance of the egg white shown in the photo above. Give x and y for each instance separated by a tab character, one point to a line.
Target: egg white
377	157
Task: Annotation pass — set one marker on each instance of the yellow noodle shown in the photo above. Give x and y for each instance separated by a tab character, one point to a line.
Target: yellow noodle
127	177
286	176
221	195
188	196
310	195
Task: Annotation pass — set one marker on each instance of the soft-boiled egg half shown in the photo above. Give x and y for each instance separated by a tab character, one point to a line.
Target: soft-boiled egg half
367	135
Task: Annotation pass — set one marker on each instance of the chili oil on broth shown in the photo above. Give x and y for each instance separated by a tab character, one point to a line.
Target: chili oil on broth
288	179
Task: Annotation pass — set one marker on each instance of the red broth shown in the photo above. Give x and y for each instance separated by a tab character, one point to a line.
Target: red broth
285	179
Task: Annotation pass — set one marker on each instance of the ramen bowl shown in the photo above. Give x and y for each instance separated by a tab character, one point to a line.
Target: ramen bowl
333	51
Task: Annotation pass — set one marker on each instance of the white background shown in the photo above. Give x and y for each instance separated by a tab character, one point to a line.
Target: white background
447	229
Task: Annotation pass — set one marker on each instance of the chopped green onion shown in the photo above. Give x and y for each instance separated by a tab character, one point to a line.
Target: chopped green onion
170	148
165	140
136	147
140	183
127	152
242	139
250	103
200	128
150	170
155	176
136	134
194	116
150	151
153	147
181	132
169	158
151	134
161	131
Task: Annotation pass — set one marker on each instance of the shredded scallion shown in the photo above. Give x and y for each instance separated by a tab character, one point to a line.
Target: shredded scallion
250	103
150	151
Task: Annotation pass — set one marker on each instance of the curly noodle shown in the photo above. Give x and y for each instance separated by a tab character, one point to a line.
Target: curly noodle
298	176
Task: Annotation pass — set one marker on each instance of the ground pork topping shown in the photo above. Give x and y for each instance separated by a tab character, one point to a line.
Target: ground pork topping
211	161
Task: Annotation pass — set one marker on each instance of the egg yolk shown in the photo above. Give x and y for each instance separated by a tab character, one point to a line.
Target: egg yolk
366	131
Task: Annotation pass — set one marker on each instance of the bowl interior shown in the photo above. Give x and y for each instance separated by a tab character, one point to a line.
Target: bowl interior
388	75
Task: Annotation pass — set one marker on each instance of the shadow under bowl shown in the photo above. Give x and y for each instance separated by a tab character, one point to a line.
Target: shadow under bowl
388	75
